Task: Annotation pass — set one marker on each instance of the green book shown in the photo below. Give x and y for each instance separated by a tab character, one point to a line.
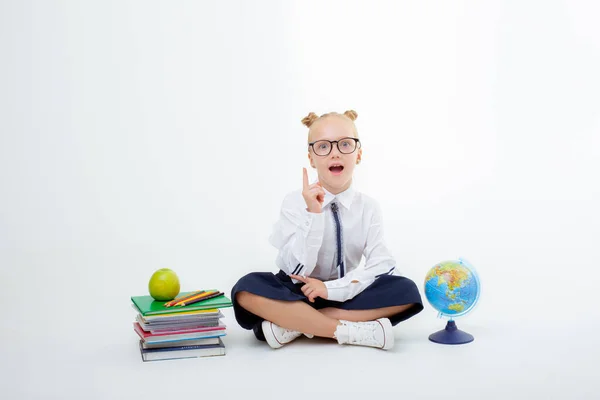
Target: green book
148	306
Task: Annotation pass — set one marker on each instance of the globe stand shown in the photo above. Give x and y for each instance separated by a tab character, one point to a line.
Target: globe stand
451	335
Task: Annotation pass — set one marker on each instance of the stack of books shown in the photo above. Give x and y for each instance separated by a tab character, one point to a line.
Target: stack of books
189	326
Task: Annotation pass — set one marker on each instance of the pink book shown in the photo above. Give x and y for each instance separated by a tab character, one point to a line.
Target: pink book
197	333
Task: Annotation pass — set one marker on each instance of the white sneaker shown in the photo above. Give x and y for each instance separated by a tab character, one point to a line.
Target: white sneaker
376	333
277	336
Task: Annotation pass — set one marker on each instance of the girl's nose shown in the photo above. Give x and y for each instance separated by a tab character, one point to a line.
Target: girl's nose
335	151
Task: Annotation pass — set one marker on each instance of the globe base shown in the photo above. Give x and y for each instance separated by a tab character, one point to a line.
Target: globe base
451	335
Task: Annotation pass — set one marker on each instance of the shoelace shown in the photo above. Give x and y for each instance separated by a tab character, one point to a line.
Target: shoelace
364	334
287	334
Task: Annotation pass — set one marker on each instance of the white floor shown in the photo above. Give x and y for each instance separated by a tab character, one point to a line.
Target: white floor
520	360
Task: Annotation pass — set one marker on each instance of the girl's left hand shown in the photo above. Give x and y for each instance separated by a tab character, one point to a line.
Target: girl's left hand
312	287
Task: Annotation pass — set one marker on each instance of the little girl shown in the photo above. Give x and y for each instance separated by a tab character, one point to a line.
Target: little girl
322	234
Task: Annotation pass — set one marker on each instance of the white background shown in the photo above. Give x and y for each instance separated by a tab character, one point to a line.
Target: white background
141	135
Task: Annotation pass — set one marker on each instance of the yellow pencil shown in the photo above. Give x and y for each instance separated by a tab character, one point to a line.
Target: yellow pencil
203	298
178	299
199	296
181	298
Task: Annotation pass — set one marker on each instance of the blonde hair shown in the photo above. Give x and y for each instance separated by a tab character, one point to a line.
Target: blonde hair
311	118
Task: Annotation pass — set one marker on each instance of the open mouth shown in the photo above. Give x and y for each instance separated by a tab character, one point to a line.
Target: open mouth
336	169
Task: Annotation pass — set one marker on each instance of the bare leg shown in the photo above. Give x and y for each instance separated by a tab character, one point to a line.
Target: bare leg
363	315
294	315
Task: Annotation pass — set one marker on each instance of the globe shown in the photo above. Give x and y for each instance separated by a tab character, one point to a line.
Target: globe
452	288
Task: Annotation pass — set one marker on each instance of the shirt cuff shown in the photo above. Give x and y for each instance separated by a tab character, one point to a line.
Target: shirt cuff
336	290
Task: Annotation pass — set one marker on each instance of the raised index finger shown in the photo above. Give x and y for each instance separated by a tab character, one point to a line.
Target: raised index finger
304	178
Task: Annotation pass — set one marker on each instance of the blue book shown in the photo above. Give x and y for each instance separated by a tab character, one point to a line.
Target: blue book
174	353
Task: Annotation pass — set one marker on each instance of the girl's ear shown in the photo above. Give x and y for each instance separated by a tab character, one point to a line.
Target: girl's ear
312	163
359	156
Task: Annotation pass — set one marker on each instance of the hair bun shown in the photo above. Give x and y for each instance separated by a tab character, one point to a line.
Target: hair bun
309	119
351	114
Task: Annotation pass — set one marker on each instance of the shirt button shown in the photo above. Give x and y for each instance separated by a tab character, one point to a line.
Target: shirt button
306	223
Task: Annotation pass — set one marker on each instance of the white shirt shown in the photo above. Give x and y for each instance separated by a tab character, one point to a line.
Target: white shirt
307	242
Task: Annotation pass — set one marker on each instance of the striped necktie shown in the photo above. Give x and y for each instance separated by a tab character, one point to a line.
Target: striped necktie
339	240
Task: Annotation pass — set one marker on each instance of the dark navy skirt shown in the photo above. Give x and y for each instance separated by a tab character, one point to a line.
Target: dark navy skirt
386	291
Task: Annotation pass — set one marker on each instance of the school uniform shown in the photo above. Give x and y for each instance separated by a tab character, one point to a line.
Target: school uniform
329	246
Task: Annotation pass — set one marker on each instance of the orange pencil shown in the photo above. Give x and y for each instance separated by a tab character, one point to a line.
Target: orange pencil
199	296
178	299
191	298
195	297
210	296
181	298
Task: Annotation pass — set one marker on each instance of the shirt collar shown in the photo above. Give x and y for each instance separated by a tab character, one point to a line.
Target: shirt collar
344	198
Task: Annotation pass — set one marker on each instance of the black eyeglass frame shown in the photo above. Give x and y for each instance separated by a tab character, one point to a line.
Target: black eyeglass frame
357	145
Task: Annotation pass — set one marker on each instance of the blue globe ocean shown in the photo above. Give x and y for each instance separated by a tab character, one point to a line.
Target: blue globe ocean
452	287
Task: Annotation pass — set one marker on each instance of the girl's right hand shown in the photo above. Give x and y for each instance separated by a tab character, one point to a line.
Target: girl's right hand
314	195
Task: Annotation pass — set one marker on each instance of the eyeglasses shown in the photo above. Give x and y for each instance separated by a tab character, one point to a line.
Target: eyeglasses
345	146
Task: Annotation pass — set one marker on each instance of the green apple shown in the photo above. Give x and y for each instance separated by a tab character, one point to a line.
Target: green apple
164	285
